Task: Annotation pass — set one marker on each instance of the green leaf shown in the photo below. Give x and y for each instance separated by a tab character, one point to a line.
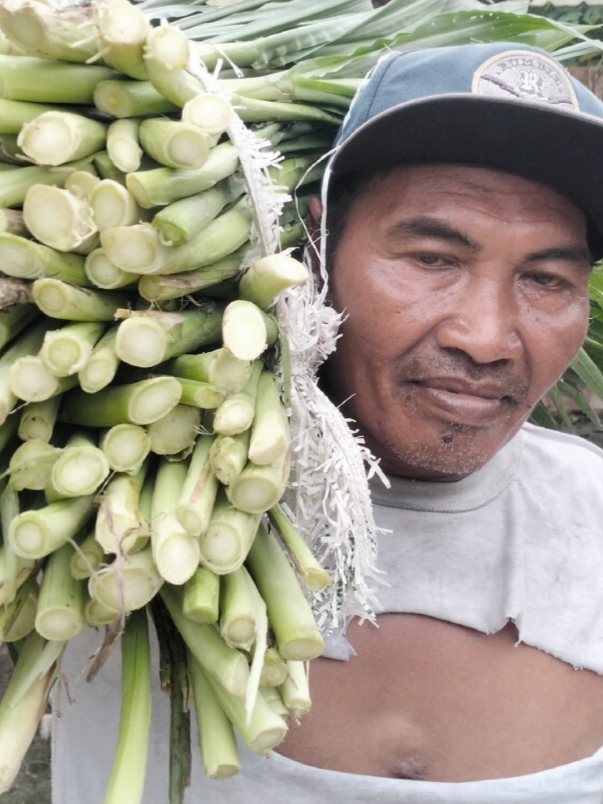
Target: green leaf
542	417
595	285
555	396
588	372
578	398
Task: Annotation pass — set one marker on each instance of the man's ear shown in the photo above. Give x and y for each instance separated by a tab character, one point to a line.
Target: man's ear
314	218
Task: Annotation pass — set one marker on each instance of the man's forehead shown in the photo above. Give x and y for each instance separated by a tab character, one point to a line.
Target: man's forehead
434	183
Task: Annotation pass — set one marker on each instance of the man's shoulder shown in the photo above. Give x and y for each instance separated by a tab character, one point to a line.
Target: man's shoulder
560	457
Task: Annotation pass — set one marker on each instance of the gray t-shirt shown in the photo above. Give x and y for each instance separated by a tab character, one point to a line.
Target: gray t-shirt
519	540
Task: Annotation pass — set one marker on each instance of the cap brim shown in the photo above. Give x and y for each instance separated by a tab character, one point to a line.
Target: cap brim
557	147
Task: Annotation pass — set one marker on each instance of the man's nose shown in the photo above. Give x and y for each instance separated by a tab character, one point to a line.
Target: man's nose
482	321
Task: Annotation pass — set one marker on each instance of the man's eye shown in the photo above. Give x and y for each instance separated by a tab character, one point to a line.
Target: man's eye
546	280
430	259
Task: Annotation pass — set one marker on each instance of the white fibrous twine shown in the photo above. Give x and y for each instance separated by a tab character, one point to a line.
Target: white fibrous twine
328	497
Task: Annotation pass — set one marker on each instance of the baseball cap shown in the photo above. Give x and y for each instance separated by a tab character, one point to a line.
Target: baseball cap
503	106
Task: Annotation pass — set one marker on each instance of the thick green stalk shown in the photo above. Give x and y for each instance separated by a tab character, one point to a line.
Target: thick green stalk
259	488
134	249
25	259
14	114
176	432
38	420
86	558
229	455
80	469
315	577
247	331
273	698
123	144
166	59
228	538
199	490
153	188
218	368
21	709
59	300
180	222
260	733
128	584
81	183
217	741
296	690
294	171
112	205
66	351
124	30
14	319
103	274
289	613
140	250
270	429
40	30
201	600
55	138
14	571
15	183
126	447
18	618
102	365
106	169
269	276
119	523
27	78
210	113
175	552
125	99
235	414
61	601
139	403
149	337
60	220
28	343
31	465
31	381
128	774
274	671
237	619
160	287
97	615
252	110
200	394
226	666
35	534
174	143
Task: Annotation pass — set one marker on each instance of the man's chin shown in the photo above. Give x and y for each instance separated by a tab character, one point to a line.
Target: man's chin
459	451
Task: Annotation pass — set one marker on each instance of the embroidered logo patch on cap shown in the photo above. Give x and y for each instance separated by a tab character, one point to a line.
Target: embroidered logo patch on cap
525	76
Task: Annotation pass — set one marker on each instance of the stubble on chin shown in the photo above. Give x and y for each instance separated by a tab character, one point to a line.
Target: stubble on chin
459	452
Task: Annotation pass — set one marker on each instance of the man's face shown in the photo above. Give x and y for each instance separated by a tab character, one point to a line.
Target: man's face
466	295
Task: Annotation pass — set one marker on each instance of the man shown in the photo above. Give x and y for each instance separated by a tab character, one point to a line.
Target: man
460	239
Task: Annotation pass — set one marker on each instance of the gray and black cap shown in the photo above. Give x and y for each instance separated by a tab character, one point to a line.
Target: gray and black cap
502	106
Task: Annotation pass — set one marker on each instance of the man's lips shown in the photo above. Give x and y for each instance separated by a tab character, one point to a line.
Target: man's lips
466	401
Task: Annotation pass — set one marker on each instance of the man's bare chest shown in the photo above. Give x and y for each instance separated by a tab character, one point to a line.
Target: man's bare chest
429	700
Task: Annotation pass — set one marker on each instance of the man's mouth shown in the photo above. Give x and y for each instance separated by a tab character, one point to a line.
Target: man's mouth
465	401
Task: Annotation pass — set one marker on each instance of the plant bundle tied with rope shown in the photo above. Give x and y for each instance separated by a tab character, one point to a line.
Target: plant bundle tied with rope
166	448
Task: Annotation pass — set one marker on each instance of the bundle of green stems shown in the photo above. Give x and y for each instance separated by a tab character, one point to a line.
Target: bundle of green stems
144	439
142	425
